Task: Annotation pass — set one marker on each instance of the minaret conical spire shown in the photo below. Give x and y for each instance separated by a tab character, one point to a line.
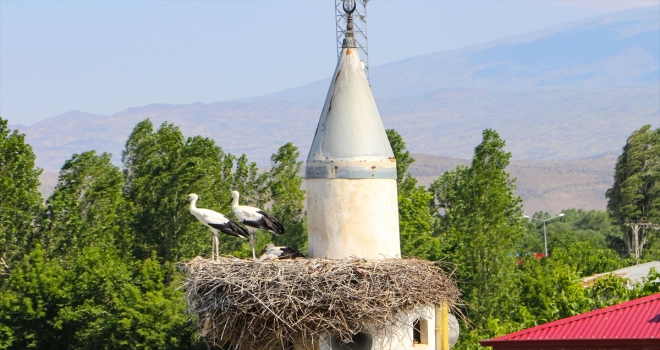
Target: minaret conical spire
350	140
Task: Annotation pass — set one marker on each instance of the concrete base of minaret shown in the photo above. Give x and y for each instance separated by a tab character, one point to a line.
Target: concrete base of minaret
353	217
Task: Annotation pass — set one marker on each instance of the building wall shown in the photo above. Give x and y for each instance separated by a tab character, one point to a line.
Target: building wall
400	339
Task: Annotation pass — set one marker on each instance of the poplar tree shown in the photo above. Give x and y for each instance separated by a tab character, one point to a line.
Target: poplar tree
479	223
161	169
20	200
288	197
86	208
635	194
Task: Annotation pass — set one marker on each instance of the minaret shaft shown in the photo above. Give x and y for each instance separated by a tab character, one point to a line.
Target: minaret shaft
353	217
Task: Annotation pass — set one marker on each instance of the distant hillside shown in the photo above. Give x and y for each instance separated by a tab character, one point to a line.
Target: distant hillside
619	49
567	92
536	124
544	185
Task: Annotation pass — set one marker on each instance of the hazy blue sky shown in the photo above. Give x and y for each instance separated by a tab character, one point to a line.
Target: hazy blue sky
105	56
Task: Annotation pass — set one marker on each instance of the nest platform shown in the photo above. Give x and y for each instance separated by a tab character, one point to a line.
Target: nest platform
250	304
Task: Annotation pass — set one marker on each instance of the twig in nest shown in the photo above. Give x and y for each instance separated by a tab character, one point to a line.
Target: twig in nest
258	305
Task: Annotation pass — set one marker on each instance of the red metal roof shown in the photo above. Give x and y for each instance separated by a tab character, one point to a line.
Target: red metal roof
633	322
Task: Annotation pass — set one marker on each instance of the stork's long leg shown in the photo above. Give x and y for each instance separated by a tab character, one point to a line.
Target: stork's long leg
212	245
216	245
253	242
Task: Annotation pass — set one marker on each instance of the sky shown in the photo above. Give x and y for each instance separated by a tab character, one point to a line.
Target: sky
105	56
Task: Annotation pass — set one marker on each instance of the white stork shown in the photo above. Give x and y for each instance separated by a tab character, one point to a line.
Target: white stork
216	222
271	252
255	219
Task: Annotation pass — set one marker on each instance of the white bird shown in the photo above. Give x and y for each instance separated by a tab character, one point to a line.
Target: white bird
216	222
271	252
255	219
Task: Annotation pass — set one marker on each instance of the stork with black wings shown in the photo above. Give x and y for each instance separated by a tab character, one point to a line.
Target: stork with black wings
216	222
255	219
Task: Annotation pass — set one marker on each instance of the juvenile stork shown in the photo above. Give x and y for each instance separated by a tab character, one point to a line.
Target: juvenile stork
255	219
216	222
271	252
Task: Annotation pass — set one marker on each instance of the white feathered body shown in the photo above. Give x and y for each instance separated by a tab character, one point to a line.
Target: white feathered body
255	218
217	222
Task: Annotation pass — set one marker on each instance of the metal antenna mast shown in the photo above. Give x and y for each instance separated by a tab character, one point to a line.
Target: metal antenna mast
360	28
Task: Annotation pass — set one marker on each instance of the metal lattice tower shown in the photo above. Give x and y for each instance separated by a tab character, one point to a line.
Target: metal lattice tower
360	28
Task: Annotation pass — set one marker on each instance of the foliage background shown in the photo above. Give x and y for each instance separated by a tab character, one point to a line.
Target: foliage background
95	265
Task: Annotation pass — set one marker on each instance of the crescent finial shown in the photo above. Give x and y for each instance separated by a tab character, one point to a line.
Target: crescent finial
351	10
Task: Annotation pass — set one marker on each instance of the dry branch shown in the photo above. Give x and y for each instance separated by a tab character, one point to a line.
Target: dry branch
268	304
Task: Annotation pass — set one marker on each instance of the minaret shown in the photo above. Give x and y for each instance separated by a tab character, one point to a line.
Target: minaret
351	171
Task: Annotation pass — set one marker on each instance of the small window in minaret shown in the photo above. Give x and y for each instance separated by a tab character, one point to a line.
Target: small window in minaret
421	331
360	341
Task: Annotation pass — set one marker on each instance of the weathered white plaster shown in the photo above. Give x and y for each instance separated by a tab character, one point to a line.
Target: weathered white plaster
350	126
353	217
400	339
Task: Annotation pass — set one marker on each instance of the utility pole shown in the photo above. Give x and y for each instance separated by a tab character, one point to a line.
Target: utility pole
360	28
639	239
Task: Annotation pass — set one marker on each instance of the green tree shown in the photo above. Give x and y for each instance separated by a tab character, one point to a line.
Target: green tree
93	301
415	206
636	189
20	200
86	208
586	259
416	224
480	223
405	181
586	240
161	169
284	183
250	183
549	290
30	301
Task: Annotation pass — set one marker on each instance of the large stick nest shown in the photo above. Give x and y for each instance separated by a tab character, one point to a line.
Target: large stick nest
268	304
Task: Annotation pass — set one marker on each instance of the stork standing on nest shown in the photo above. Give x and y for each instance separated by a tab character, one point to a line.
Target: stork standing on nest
255	219
216	222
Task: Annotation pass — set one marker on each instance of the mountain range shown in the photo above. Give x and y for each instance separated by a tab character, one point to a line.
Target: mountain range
544	185
568	92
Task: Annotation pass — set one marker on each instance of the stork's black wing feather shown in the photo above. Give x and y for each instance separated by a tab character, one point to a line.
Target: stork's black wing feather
271	224
290	253
231	228
263	251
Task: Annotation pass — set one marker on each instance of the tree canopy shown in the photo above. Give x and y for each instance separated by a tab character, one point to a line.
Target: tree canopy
96	266
415	206
635	194
20	200
479	224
